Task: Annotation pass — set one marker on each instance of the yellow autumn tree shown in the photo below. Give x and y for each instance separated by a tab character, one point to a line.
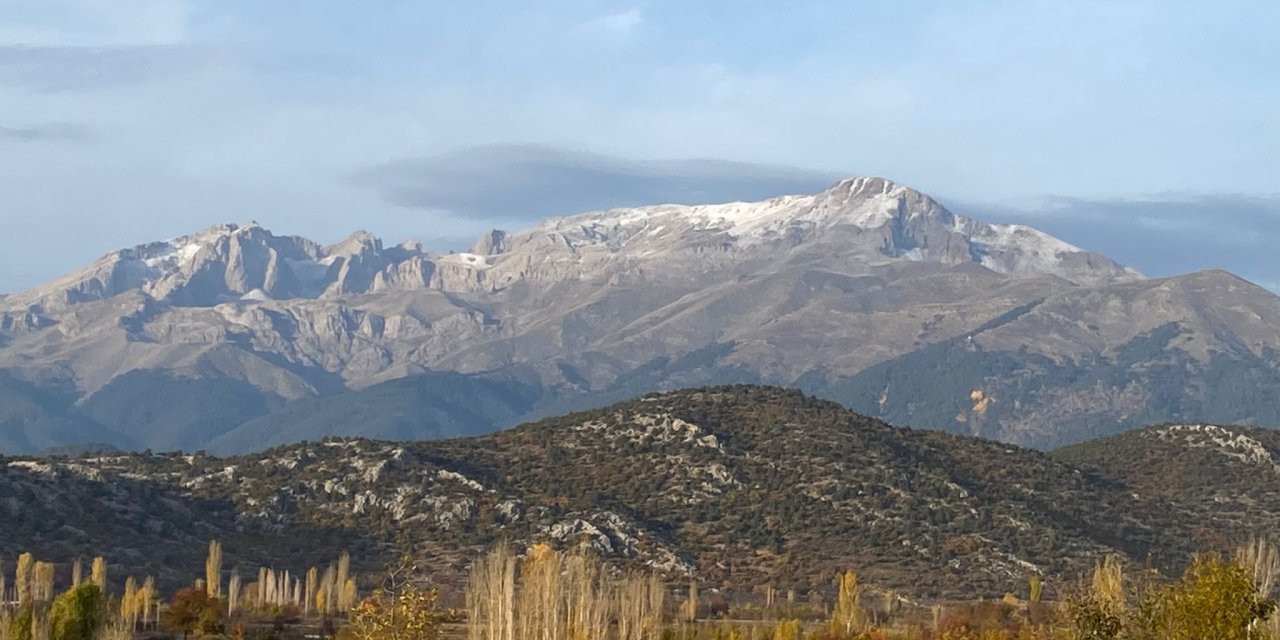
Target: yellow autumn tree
411	615
340	582
43	587
98	573
213	570
22	578
129	602
848	617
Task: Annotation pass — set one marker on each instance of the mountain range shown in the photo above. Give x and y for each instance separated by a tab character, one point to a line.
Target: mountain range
869	293
741	486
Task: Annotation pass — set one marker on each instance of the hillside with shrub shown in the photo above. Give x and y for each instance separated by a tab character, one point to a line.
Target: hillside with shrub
743	487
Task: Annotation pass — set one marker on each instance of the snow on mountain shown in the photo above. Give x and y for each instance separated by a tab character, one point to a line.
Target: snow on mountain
857	290
866	219
874	219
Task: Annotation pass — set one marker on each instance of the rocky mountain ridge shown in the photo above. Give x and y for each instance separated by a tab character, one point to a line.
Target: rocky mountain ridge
228	263
869	293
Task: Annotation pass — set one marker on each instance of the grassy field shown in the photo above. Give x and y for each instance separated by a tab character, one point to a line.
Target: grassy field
542	593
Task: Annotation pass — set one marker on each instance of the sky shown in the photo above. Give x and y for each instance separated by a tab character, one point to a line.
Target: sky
1148	130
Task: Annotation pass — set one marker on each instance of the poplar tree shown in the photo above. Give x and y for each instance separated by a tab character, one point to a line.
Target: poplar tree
43	590
233	592
350	593
309	597
98	573
22	578
328	592
129	602
340	581
148	597
848	617
213	570
691	605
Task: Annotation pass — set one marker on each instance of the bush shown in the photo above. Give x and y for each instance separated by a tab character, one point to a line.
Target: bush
412	615
1215	599
20	625
78	613
193	610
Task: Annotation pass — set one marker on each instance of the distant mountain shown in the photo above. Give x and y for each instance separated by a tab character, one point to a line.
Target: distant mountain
743	486
34	419
421	407
869	293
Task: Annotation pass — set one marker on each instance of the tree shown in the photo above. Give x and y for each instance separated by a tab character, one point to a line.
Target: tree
193	610
77	614
43	589
848	616
20	625
340	582
412	615
213	570
98	573
1215	599
22	578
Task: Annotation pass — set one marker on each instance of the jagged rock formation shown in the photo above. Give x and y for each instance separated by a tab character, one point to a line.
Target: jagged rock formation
869	293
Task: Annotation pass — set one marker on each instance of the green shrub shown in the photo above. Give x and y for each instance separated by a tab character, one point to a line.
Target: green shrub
1215	599
77	613
20	625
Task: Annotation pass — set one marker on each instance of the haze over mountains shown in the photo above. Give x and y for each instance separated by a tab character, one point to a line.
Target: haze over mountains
868	293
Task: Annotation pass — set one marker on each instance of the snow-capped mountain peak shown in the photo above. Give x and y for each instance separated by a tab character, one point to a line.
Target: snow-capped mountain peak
867	219
870	217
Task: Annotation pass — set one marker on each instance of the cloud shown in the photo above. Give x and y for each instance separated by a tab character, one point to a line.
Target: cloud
526	182
95	22
74	69
615	24
46	132
1163	234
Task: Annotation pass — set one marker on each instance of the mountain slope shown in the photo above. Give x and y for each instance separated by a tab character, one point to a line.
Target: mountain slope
421	407
1227	478
33	419
743	485
1057	371
65	510
868	293
166	413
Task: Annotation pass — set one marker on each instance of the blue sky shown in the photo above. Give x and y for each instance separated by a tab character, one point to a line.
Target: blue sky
1149	130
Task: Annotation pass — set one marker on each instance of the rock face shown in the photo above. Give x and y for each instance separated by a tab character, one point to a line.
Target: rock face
869	293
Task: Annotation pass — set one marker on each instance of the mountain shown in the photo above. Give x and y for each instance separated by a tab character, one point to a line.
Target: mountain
35	419
869	293
422	407
1225	477
741	485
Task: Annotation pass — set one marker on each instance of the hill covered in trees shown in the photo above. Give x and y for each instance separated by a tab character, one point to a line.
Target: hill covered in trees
744	486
